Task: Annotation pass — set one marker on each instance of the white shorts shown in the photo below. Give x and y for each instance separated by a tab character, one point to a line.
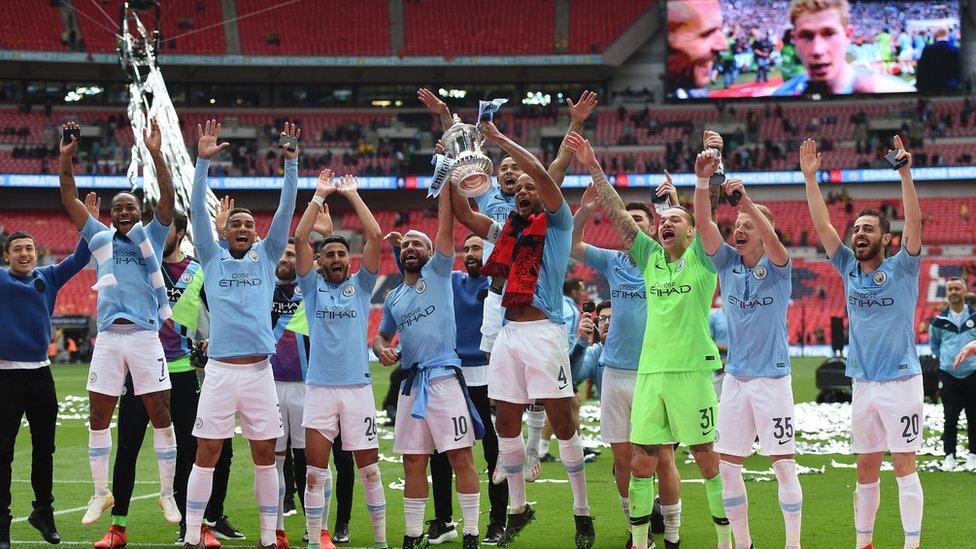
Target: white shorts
349	410
491	320
447	426
887	415
616	400
291	401
530	361
247	389
751	407
138	352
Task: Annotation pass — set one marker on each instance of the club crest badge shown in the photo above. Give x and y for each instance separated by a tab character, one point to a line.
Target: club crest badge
253	256
349	290
880	278
421	286
679	265
298	290
759	272
185	278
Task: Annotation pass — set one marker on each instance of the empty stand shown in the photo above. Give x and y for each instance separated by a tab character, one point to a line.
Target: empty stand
451	28
306	28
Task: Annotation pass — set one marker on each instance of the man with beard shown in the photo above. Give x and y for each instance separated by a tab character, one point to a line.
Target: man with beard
619	354
949	332
239	377
757	391
434	411
886	410
822	36
674	400
530	358
695	38
339	396
184	286
132	305
27	298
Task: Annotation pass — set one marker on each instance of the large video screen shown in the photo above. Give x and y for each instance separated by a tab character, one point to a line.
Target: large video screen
811	48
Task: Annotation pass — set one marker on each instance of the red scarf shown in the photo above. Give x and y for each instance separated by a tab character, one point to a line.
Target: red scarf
518	257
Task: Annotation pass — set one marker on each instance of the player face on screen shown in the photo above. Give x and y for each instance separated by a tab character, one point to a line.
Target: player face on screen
240	232
695	37
508	174
414	253
285	270
956	292
642	219
527	201
821	39
334	262
675	229
125	212
868	239
21	256
473	255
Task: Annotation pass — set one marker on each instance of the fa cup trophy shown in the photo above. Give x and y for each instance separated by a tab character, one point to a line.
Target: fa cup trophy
471	171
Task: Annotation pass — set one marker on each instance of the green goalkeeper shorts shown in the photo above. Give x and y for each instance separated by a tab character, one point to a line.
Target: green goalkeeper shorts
674	407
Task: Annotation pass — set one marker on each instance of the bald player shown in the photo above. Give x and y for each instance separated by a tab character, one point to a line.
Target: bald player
695	38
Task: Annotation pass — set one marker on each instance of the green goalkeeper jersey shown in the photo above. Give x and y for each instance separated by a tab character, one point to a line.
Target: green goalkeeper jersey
679	297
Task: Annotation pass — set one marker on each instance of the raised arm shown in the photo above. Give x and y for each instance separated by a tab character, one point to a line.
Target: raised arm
69	266
371	251
69	192
207	148
911	235
810	164
303	251
552	197
774	249
612	204
579	112
476	222
281	222
436	107
444	241
589	203
705	165
167	195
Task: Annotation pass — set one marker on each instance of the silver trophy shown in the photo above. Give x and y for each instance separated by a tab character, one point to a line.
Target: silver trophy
471	172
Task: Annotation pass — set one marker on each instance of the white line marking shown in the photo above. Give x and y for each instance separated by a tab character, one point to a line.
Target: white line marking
85	507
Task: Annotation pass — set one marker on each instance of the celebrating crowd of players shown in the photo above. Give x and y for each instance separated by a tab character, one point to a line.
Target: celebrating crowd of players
287	350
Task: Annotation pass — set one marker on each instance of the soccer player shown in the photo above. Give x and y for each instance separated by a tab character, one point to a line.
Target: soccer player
949	332
757	393
132	304
695	38
184	287
339	396
433	409
886	411
620	354
238	281
27	297
674	400
530	359
822	35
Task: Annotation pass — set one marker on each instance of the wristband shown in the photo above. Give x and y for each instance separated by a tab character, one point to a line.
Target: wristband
318	201
701	183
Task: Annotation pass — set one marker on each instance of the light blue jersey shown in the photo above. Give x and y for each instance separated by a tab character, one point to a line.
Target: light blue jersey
625	338
718	328
423	314
555	257
571	318
496	204
338	319
585	363
240	292
881	314
133	298
756	301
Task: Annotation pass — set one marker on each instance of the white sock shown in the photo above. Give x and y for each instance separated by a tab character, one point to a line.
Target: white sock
375	501
413	515
672	521
736	503
99	450
314	502
511	453
198	489
470	508
164	443
571	454
910	502
535	420
280	467
266	492
625	505
867	499
790	500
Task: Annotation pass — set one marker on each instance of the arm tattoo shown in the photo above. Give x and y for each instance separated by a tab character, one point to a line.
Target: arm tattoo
613	205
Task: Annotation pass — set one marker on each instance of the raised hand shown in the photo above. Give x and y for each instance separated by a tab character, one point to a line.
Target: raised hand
667	186
733	185
289	129
68	149
207	146
224	207
431	101
347	185
394	237
706	163
323	221
439	147
902	154
968	351
591	198
585	330
93	204
713	140
810	159
582	150
582	109
152	137
489	130
324	186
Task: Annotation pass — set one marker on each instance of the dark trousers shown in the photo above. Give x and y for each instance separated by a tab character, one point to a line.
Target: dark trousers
441	474
958	395
133	420
30	393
